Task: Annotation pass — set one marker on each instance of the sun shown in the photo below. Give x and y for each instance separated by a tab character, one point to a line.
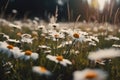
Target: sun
98	4
102	4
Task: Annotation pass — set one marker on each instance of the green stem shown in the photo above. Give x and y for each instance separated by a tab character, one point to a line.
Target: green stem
68	49
54	67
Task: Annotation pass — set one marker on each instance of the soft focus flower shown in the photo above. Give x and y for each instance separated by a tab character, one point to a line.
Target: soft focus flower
77	36
7	67
110	37
44	47
53	19
53	26
34	25
14	26
102	62
13	41
4	22
94	38
29	55
65	43
41	70
34	34
42	28
116	45
10	50
14	11
26	38
47	52
59	59
92	43
104	54
90	74
19	34
56	35
36	18
3	37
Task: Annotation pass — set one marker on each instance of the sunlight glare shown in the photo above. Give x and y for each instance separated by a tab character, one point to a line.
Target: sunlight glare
98	4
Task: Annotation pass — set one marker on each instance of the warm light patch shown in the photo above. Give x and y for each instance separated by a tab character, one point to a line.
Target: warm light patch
19	34
43	69
10	46
94	3
28	52
34	34
91	75
76	35
98	60
56	35
98	4
59	58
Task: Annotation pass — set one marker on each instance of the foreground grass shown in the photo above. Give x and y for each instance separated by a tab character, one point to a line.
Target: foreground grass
22	69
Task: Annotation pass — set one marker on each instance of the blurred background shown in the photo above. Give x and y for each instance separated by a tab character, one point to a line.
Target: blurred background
68	10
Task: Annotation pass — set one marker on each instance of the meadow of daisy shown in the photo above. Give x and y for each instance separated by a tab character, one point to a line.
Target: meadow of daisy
32	49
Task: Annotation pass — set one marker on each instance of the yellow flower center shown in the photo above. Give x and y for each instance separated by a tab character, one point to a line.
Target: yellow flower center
59	58
19	34
98	60
76	35
34	34
91	75
43	69
56	35
28	52
10	46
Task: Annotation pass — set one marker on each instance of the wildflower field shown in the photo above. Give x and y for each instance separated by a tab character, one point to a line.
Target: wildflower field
35	50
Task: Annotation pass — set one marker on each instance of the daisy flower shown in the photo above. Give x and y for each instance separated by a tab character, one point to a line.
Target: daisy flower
53	26
14	11
13	41
14	26
102	62
29	55
90	74
10	50
116	45
36	18
47	52
26	38
42	28
92	43
56	35
65	43
41	70
3	36
94	38
34	34
59	59
19	34
43	47
7	66
110	37
104	54
77	36
65	31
